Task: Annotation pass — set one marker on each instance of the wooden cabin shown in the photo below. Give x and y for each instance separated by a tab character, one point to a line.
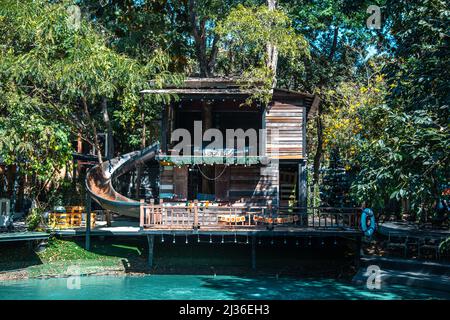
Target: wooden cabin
276	175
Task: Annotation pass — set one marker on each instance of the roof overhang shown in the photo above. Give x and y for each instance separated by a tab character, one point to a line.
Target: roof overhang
217	89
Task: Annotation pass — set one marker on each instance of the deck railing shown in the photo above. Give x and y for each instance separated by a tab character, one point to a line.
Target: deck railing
196	215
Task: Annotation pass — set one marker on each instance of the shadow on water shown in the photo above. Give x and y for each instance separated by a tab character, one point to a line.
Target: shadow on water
296	289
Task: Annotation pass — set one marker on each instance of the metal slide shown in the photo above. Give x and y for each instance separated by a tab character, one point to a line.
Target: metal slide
100	185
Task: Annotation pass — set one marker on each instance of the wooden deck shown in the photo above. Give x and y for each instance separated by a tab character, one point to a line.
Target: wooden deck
170	219
134	230
23	236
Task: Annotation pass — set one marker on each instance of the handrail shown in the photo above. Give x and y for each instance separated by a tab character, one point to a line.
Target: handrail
195	215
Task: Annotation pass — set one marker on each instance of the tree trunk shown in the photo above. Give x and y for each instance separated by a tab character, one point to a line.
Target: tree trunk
94	131
198	27
272	51
319	150
20	193
109	152
10	178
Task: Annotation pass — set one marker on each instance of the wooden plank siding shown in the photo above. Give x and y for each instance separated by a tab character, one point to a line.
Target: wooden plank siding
174	180
288	120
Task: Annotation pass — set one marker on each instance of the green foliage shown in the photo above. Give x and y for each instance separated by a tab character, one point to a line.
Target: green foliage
248	30
34	219
49	67
245	34
384	93
407	157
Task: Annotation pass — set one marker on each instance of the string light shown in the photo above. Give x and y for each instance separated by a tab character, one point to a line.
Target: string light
235	239
173	239
223	240
162	238
247	240
186	239
198	238
210	239
285	241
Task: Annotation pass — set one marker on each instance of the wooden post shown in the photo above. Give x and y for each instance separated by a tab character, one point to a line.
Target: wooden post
358	252
195	226
253	253
161	205
141	214
88	222
150	241
302	196
108	218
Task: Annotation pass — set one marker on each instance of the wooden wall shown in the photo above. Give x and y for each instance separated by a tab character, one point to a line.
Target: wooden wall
288	119
174	180
256	184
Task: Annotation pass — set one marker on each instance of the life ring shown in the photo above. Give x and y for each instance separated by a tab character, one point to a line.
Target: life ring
368	229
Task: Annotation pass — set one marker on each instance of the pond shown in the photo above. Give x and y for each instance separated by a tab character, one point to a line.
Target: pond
198	287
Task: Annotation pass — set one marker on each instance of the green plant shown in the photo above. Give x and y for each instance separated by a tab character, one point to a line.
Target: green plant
34	218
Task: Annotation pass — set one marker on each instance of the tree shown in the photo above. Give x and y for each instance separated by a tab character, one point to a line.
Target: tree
410	155
253	37
339	41
58	76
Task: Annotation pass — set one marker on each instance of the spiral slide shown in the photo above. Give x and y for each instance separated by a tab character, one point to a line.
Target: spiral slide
99	184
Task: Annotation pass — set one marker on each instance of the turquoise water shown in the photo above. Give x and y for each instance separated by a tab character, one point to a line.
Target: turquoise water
195	287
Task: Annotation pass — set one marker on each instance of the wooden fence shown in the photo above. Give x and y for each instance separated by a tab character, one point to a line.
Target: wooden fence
196	215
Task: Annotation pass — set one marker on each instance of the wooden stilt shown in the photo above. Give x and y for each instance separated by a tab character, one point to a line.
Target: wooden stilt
358	252
88	222
150	241
253	253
